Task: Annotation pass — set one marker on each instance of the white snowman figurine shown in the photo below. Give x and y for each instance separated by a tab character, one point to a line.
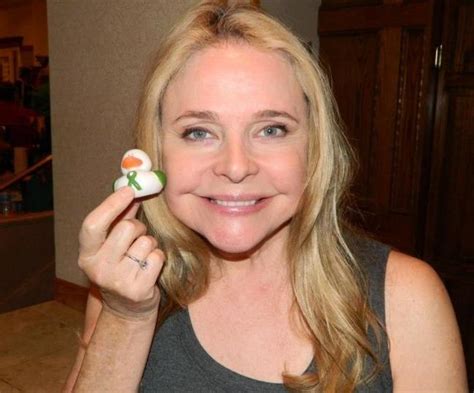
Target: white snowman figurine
137	173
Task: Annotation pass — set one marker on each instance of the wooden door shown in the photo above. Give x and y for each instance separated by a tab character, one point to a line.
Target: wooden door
449	245
380	57
403	76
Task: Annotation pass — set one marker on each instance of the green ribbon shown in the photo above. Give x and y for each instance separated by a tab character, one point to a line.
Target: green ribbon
131	180
161	177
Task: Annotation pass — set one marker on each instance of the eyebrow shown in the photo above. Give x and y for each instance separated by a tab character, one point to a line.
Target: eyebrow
203	115
272	113
209	115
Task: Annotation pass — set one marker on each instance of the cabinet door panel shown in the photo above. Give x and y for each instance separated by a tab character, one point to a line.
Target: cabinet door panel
380	62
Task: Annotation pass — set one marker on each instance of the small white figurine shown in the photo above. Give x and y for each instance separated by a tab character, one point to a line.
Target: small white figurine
136	168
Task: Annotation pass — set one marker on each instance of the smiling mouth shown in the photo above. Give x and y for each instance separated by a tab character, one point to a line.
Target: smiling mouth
234	203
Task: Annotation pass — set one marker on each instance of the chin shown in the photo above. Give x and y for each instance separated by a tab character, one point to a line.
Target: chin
242	247
233	245
233	252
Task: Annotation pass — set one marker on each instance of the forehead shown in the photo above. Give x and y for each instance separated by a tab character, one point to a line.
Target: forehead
235	78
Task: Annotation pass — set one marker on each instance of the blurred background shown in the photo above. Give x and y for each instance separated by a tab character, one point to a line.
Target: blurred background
70	77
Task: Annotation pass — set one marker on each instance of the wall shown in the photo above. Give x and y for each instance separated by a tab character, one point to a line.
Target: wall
29	20
301	16
98	57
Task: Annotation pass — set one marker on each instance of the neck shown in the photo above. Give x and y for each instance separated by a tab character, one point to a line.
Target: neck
267	263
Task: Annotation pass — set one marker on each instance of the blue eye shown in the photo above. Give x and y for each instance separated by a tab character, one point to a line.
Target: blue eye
195	134
274	131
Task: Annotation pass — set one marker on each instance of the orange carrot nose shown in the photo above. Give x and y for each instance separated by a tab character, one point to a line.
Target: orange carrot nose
130	162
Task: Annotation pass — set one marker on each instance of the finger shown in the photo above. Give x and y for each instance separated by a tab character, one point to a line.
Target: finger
140	249
134	282
120	239
96	225
129	213
149	275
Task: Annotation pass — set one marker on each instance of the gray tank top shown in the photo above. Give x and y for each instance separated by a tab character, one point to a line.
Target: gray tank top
178	363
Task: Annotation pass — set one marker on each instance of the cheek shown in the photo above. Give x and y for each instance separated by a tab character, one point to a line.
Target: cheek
289	171
183	177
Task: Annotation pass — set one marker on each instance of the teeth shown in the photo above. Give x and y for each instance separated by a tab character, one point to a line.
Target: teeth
234	203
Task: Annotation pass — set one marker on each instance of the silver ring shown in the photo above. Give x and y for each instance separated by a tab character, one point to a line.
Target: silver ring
143	263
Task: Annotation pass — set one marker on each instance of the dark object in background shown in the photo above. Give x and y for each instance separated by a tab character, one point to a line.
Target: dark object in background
21	135
28	272
7	92
37	191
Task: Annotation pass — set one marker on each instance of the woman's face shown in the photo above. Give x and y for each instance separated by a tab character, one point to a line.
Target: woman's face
234	146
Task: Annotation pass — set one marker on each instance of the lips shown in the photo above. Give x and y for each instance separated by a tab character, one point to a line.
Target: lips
237	204
236	199
234	203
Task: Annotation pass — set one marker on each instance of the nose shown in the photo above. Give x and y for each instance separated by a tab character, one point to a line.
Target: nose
235	161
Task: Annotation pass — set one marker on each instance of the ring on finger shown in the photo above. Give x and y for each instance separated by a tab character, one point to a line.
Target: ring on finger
143	263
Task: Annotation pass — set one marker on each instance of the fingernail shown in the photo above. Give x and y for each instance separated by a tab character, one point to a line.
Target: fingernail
126	190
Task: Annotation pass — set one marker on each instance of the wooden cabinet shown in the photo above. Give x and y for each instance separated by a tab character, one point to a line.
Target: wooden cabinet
449	238
380	60
403	77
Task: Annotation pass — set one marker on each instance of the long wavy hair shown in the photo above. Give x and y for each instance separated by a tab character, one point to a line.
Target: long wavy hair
330	294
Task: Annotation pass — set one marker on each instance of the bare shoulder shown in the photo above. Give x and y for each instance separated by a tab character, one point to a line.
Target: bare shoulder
425	346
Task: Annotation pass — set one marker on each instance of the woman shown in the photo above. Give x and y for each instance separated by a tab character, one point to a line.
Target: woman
259	286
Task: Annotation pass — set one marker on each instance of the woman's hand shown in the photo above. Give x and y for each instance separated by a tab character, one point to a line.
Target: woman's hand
111	241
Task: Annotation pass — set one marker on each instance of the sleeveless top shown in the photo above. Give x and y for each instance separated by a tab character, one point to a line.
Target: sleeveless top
178	363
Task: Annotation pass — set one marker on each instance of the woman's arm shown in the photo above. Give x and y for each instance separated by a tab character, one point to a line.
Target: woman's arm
425	346
119	342
93	309
119	323
116	354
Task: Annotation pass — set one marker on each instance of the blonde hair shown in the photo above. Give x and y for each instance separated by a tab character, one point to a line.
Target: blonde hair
329	289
